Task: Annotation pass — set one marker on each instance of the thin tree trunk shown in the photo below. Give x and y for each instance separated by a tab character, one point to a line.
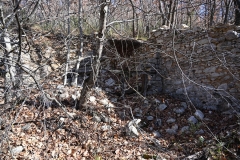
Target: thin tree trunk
91	80
162	13
169	13
133	16
173	12
237	12
213	8
9	78
68	43
227	5
81	43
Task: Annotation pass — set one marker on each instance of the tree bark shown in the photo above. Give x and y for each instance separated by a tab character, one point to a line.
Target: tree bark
68	43
133	16
237	12
81	43
213	8
91	80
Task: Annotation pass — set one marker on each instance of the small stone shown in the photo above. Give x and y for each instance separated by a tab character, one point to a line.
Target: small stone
161	107
74	97
26	127
64	95
150	118
96	118
145	102
156	101
179	110
175	127
192	120
158	122
106	128
201	131
60	86
230	35
92	99
113	99
171	120
156	134
131	127
104	118
184	105
17	150
173	130
199	114
104	101
108	90
110	82
184	129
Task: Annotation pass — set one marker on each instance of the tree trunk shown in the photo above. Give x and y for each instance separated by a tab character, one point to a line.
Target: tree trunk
9	68
133	16
237	12
213	8
81	43
68	43
173	12
9	78
91	80
162	13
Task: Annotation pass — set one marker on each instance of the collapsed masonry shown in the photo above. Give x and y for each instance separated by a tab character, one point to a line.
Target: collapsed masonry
194	65
201	66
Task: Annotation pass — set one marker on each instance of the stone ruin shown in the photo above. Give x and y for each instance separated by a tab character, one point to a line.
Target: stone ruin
201	66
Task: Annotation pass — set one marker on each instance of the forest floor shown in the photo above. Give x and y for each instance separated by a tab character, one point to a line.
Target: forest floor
41	128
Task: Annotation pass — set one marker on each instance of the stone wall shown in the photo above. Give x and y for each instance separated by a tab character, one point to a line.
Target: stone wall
197	65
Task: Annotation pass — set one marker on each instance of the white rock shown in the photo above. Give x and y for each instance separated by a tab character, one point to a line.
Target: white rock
17	150
131	127
164	27
92	99
104	101
106	128
64	95
74	97
134	130
183	26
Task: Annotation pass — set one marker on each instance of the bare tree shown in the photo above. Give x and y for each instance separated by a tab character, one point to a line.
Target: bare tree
81	43
91	80
237	12
133	17
68	43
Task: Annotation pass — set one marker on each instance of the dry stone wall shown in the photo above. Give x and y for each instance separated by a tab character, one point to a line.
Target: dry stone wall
199	65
